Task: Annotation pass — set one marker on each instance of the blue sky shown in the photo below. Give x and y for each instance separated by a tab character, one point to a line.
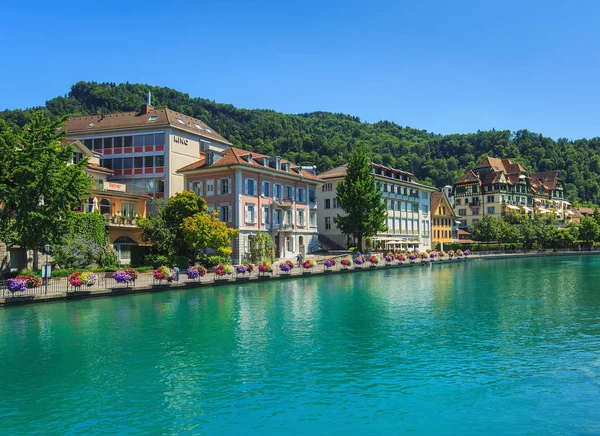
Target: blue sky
444	66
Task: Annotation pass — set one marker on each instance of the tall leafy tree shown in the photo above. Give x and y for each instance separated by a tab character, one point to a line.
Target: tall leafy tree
164	228
39	186
589	230
360	197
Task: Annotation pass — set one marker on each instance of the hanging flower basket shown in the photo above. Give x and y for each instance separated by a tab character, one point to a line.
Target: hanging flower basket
265	268
328	264
164	273
359	261
16	285
31	281
286	267
79	279
195	272
389	258
223	271
345	262
400	258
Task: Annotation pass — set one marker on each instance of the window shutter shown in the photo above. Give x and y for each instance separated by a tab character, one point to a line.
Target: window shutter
219	183
229	188
246	214
246	187
228	214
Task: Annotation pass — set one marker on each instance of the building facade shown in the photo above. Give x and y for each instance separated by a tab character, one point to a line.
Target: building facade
145	149
253	192
121	209
496	187
443	221
408	214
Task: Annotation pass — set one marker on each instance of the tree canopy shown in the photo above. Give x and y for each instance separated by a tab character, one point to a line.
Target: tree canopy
327	139
359	195
39	186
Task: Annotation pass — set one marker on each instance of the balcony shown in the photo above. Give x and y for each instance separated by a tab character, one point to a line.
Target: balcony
120	187
475	203
120	221
280	202
282	227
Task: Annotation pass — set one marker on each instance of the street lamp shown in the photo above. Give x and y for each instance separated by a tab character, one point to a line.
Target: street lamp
47	250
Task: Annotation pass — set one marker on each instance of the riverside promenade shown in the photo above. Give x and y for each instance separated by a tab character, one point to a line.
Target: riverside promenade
59	289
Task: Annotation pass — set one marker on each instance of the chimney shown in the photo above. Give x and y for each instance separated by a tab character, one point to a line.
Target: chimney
149	100
146	107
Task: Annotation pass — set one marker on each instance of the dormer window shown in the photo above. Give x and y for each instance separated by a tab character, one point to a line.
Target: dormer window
248	158
265	161
287	167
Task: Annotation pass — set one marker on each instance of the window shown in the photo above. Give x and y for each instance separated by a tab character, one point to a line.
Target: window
301	197
197	188
250	187
462	212
264	219
128	209
198	126
107	144
89	205
491	210
457	201
336	204
250	214
289	192
138	140
159	161
149	161
327	203
288	217
327	187
153	118
312	195
77	157
490	198
105	206
118	142
224	187
277	190
180	121
148	140
403	206
327	223
138	162
475	211
425	208
127	163
277	217
424	195
312	219
210	187
301	217
225	213
265	189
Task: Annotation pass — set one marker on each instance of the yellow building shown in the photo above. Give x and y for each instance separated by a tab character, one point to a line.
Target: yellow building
120	205
442	219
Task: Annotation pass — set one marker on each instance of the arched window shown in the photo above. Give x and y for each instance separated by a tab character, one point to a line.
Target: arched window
123	245
105	206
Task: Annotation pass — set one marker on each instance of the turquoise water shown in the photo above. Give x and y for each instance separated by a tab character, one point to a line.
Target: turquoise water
492	347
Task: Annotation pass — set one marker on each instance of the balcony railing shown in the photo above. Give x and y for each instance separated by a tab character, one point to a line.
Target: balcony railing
120	187
118	220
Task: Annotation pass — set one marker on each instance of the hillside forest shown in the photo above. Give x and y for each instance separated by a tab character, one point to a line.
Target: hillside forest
327	139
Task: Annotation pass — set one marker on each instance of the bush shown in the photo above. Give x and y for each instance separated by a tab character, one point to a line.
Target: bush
212	261
78	252
182	262
156	260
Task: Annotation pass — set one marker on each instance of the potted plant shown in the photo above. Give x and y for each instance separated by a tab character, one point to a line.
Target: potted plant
400	257
223	271
286	267
412	257
373	260
359	261
265	268
389	258
345	262
195	272
328	264
164	273
79	279
16	285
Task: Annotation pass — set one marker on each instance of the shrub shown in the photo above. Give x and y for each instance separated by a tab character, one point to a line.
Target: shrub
156	260
79	252
212	261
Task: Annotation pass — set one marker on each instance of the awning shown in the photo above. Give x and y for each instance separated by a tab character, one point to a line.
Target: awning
457	222
510	206
526	209
543	211
570	212
567	203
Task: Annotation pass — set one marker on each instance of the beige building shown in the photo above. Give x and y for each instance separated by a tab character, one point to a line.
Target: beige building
499	186
253	192
408	210
144	149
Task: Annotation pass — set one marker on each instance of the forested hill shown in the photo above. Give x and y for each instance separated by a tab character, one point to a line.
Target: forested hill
326	139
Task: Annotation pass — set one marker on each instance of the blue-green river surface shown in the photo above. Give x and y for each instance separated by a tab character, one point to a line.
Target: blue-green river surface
485	347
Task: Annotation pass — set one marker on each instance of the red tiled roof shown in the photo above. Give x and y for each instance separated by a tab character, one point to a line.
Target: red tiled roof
585	210
548	179
124	120
234	156
436	199
341	171
469	177
99	168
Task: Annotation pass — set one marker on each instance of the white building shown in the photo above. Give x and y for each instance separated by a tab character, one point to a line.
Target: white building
144	149
408	209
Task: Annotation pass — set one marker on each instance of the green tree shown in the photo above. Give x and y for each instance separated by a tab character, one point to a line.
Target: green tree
203	230
485	230
261	247
589	230
164	227
359	195
38	184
